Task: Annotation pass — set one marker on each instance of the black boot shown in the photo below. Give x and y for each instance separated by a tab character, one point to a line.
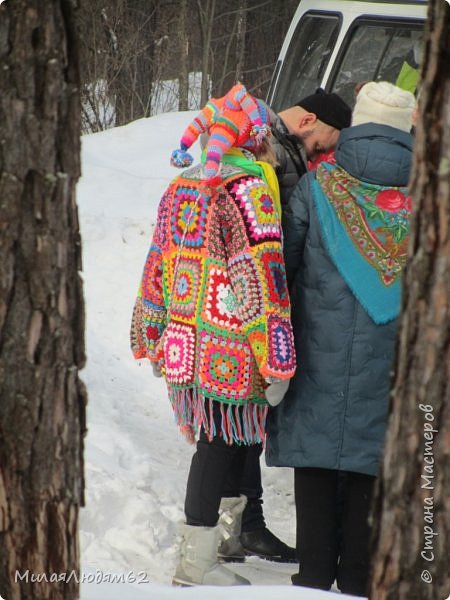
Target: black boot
263	543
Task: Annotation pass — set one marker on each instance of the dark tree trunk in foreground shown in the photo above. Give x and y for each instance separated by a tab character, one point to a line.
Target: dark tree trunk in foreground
42	402
412	516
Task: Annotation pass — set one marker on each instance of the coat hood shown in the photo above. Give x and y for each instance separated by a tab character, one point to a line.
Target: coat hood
377	154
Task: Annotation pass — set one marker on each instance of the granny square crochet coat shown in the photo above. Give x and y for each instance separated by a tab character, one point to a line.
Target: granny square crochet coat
213	305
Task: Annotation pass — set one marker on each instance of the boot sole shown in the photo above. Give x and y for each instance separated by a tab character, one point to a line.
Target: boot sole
182	583
271	558
185	583
231	559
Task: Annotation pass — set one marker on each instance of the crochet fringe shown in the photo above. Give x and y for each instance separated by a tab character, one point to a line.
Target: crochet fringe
240	424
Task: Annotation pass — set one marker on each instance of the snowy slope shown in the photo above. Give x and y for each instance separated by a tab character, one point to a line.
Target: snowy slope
136	462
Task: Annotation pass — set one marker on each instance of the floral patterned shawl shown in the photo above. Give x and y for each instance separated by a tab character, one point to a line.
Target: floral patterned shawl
366	232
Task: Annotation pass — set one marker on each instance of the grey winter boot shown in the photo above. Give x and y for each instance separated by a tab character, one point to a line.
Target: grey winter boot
230	521
198	564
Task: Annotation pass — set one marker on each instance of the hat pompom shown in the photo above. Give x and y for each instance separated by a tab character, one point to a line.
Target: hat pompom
181	159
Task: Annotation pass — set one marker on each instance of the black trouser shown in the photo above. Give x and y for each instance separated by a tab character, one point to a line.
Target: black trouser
332	529
219	469
251	486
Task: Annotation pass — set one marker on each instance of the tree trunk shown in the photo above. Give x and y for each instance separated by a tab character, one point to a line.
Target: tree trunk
240	40
42	408
412	520
133	65
183	78
206	12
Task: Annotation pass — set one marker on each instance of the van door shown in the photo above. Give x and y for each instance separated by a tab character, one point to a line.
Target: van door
337	45
306	59
377	49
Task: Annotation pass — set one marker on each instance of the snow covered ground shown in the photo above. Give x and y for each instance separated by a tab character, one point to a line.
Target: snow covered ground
136	461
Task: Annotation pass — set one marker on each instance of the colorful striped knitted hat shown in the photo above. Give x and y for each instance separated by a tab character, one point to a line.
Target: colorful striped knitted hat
236	119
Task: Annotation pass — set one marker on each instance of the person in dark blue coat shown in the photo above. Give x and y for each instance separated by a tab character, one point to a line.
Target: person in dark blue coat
298	133
346	231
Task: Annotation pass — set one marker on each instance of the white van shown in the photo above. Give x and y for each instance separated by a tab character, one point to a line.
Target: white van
336	44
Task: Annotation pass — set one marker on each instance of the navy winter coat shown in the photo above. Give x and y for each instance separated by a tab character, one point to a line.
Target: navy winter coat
334	413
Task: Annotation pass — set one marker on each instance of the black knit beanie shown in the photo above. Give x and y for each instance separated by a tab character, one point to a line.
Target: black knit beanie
329	108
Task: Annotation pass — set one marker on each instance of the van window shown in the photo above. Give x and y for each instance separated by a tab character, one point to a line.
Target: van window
378	52
313	41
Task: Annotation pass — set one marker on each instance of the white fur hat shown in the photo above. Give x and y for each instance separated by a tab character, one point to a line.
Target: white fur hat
384	103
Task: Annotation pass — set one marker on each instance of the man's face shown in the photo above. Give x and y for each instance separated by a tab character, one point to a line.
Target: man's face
318	138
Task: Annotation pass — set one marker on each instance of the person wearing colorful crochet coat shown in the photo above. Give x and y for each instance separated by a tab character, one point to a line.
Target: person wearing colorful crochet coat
213	314
346	231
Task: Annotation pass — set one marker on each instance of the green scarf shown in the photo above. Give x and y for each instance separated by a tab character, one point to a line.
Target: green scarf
258	168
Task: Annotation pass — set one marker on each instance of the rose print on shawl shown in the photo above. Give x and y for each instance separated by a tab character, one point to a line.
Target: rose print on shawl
392	200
